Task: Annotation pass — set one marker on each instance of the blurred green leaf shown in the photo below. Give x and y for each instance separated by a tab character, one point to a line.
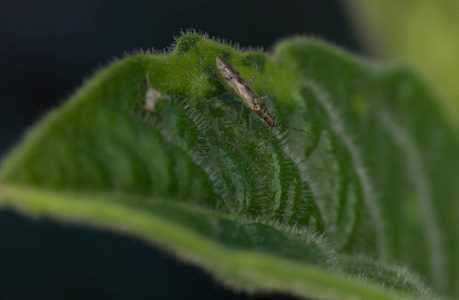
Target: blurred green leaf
422	32
361	208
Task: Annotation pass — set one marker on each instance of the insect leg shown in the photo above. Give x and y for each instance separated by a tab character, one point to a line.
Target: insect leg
250	133
239	119
254	72
269	137
250	124
231	123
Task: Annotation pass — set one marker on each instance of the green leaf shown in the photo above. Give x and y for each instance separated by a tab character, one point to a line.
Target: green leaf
362	208
421	32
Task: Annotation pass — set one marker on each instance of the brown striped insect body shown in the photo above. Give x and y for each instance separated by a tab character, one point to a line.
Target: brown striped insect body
236	84
243	89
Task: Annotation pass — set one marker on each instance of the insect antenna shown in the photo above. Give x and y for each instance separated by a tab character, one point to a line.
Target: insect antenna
280	125
199	70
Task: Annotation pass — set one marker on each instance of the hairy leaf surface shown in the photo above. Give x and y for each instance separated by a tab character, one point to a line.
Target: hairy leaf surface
365	207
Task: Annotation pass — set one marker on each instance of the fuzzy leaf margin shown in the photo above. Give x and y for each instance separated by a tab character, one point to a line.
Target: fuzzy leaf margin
339	214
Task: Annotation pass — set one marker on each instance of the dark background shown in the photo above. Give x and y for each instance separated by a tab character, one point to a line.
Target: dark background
46	49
